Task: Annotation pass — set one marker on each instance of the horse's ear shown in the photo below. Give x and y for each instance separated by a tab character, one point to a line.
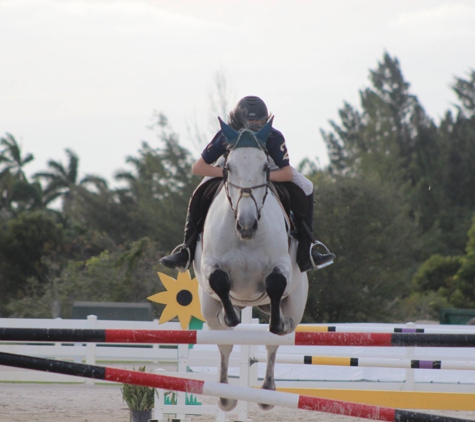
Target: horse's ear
265	131
229	133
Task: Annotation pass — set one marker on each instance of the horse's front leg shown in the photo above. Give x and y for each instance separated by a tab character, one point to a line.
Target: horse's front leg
220	282
210	309
225	352
269	382
276	283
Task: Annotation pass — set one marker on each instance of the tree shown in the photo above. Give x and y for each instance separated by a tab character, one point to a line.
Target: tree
25	242
450	175
374	241
465	90
103	212
113	275
464	279
157	192
17	193
393	141
383	140
12	157
448	280
62	182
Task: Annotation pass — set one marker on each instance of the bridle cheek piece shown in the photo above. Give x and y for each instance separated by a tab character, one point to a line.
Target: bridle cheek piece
245	192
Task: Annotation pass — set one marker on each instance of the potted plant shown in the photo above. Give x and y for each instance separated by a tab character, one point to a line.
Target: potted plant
140	400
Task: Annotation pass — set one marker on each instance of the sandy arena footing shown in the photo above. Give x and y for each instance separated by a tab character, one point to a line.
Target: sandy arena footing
103	403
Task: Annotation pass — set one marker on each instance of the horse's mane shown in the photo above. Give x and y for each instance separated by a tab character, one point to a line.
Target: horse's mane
237	119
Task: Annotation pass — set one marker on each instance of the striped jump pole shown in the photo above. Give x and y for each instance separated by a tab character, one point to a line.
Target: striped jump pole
232	337
359	329
367	362
344	328
294	401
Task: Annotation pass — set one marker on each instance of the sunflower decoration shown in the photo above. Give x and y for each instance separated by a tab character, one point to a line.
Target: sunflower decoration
181	299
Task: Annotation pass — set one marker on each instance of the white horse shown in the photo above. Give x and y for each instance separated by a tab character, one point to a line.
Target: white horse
246	257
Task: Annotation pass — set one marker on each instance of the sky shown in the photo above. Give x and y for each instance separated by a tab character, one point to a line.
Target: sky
90	75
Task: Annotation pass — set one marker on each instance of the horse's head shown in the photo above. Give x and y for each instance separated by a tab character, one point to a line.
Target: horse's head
246	176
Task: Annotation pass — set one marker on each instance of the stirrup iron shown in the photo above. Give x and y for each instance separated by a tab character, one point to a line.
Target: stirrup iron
326	264
180	248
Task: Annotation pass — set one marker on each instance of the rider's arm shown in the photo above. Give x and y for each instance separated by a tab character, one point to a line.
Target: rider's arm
282	175
278	152
213	151
201	168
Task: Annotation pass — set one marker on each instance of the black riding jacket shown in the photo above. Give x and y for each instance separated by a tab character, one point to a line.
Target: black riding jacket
276	148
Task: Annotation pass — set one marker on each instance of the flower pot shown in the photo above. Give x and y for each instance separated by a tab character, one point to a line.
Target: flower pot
140	416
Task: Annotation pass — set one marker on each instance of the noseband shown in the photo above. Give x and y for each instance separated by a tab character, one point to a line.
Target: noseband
245	191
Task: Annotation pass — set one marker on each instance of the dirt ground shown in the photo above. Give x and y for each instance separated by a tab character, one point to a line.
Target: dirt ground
103	403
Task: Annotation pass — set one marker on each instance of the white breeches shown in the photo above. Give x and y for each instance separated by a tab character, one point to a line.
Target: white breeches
302	182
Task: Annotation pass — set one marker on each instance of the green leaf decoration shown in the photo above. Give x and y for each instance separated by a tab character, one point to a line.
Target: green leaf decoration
138	398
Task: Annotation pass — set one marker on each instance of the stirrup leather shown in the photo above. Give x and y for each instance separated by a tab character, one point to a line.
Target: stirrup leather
179	248
326	264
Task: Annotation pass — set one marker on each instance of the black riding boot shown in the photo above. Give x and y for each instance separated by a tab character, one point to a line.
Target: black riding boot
308	258
182	256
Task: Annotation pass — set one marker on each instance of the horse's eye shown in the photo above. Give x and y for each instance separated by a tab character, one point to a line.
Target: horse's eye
266	166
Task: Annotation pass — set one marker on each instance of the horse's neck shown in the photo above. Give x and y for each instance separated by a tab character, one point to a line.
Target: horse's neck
274	212
221	207
276	203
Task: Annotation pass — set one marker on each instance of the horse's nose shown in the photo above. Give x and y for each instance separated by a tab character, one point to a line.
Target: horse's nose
246	231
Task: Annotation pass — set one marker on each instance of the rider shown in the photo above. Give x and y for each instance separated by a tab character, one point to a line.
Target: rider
250	112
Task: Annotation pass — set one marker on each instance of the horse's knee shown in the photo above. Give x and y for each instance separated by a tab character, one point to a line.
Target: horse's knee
275	285
220	282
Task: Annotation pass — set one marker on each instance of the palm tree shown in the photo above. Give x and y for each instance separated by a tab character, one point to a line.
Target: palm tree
14	185
12	158
62	182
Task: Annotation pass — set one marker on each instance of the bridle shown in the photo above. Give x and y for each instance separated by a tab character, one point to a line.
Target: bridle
244	192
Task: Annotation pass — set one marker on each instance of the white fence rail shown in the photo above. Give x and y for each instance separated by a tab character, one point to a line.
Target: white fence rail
89	353
203	359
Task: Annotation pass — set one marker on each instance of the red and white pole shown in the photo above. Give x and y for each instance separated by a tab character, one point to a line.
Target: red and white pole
294	401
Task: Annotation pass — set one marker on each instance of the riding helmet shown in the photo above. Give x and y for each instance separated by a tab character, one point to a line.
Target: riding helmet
256	108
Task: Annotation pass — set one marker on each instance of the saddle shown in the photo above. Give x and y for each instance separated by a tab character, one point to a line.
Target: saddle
292	197
201	201
293	200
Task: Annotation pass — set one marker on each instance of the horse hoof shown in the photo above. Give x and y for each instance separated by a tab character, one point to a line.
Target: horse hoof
231	322
284	326
227	404
269	384
228	320
276	329
265	407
